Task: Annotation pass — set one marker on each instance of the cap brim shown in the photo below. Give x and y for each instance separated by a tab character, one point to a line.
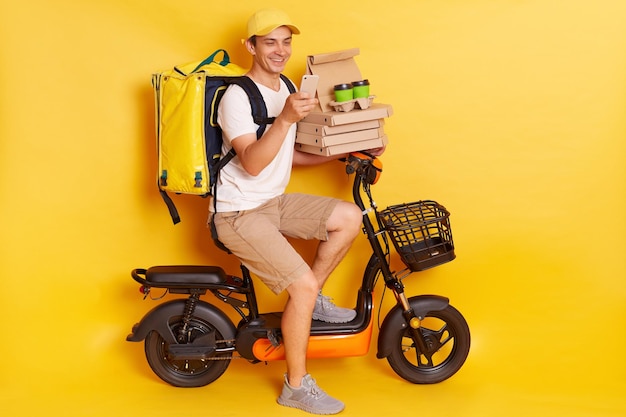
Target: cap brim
270	29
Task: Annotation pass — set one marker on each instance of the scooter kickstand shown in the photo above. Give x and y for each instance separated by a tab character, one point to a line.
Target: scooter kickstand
272	336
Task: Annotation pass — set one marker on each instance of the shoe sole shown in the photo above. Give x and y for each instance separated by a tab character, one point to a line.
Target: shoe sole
331	320
300	406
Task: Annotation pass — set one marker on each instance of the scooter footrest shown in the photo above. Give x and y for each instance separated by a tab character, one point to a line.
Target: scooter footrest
185	274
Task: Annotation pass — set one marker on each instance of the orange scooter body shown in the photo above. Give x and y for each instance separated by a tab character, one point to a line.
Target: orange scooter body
325	346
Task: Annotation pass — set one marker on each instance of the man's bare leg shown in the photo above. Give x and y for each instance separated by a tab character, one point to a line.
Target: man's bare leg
343	226
296	325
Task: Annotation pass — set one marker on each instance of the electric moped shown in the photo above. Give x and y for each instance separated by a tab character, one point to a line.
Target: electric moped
190	342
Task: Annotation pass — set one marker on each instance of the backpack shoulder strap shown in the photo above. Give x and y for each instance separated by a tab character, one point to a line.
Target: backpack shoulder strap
288	83
259	109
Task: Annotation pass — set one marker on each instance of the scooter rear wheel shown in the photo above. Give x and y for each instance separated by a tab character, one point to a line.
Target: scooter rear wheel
447	337
185	372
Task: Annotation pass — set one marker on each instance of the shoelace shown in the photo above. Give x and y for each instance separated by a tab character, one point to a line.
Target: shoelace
327	302
314	391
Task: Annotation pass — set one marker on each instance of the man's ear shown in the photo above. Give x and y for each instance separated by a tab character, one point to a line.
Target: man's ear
250	46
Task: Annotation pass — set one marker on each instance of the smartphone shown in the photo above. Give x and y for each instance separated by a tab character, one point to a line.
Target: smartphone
309	84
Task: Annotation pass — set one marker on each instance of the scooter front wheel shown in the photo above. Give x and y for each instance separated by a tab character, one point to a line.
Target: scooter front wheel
185	372
447	338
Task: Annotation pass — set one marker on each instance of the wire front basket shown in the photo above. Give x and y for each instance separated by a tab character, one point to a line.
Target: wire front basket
420	232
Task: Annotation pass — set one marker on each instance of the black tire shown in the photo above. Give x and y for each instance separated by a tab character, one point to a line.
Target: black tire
448	338
185	373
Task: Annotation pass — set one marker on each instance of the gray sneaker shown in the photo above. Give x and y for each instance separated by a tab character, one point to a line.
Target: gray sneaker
326	310
309	397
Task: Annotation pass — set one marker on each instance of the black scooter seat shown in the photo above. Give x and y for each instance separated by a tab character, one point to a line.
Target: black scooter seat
185	275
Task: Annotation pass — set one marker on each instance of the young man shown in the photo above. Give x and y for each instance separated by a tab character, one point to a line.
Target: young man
254	214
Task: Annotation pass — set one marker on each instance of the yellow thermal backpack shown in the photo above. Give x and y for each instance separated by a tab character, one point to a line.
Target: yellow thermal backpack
188	138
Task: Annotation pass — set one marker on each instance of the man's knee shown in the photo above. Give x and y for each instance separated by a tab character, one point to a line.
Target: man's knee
305	287
346	216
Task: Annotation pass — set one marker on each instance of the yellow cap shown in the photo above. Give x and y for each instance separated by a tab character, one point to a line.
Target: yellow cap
266	20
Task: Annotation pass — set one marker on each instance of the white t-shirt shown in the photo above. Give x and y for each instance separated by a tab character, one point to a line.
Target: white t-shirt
236	189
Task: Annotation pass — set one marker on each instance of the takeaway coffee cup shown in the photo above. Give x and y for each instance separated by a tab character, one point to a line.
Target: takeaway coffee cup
361	89
343	92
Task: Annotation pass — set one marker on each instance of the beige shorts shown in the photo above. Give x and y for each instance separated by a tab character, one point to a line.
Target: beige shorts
258	236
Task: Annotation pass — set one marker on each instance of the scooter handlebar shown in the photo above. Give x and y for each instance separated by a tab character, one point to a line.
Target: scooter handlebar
364	164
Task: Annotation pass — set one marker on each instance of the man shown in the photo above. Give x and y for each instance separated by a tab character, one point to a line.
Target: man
253	215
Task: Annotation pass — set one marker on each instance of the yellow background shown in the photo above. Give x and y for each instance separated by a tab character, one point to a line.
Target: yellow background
512	113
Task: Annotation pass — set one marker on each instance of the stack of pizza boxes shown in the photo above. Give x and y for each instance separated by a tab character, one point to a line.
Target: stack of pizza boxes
334	128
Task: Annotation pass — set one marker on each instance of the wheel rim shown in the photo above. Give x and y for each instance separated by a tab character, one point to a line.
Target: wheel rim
440	342
186	367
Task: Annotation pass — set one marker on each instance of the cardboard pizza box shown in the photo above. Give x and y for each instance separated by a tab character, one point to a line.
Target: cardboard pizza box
344	147
338	139
336	118
324	130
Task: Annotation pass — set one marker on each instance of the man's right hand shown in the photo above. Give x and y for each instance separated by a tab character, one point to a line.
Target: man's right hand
297	106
